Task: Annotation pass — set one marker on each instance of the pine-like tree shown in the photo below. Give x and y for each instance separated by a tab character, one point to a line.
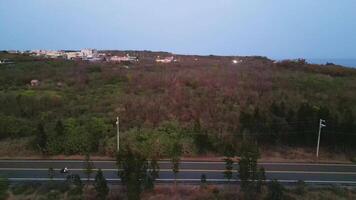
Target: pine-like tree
275	191
228	168
88	167
100	185
41	138
133	170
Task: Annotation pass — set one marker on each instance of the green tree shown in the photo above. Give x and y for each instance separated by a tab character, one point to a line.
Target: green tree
275	191
154	168
133	169
249	154
76	139
261	179
228	168
100	185
153	174
244	172
88	167
95	130
201	138
75	183
348	121
203	181
252	179
175	167
175	154
55	145
41	138
301	187
306	122
59	129
51	173
4	186
149	182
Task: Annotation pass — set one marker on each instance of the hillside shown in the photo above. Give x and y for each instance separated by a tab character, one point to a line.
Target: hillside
207	104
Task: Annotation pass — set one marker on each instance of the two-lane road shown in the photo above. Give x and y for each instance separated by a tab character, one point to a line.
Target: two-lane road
190	171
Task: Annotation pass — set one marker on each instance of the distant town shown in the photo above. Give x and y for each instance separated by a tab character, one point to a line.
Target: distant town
94	55
89	55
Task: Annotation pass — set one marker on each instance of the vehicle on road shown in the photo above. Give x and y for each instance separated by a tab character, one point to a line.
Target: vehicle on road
65	170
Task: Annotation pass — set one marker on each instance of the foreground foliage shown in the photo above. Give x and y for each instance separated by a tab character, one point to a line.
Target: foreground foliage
189	192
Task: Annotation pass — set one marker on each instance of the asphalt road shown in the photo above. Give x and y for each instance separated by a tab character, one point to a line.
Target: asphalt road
37	170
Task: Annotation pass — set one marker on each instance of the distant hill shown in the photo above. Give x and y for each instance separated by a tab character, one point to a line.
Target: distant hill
344	62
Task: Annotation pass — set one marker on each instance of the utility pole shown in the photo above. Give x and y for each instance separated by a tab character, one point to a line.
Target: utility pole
321	125
118	133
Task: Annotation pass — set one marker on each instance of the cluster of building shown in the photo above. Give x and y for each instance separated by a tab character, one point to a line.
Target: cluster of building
90	55
84	54
93	55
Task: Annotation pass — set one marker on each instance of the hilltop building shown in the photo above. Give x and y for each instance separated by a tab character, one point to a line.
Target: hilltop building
88	53
126	58
85	54
13	51
72	55
48	53
166	59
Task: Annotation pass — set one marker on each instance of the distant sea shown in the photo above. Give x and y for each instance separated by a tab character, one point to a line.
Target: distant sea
343	62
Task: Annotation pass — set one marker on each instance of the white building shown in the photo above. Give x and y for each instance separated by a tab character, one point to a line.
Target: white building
165	60
48	53
72	55
95	59
13	51
85	54
126	58
89	53
54	54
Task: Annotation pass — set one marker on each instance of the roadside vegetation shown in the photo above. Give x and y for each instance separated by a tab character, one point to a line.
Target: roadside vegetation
139	173
203	105
272	191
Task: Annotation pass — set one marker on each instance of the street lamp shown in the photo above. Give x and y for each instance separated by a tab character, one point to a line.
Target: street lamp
118	133
321	125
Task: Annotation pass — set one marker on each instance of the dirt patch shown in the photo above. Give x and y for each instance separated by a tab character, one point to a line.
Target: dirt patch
295	154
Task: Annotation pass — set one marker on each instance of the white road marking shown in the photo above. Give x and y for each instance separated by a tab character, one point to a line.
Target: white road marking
310	164
189	170
183	162
54	161
192	180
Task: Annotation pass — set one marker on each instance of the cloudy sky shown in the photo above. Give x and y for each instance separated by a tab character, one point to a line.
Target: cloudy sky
273	28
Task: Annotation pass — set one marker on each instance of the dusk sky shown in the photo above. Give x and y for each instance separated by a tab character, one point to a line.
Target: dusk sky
273	28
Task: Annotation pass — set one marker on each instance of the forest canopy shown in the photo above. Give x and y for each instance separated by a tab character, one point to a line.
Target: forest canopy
202	102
